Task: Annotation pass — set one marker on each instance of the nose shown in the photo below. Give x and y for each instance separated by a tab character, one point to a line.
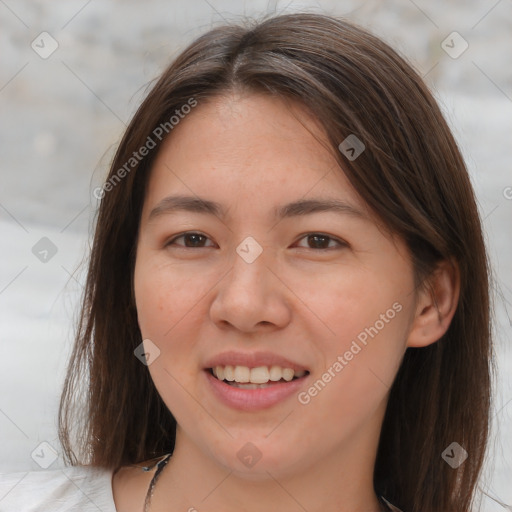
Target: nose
251	297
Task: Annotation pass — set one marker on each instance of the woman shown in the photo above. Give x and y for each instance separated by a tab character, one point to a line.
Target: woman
287	300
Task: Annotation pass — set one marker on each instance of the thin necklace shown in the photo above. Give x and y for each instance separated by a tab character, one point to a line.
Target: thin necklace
159	466
165	459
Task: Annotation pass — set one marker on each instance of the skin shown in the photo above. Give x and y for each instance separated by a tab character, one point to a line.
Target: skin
252	153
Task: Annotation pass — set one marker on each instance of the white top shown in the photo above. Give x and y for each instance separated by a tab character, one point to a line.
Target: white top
70	489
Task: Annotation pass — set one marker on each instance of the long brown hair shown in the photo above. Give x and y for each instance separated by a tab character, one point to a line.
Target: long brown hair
413	177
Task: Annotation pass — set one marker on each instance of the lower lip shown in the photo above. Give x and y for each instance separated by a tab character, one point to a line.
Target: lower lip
253	399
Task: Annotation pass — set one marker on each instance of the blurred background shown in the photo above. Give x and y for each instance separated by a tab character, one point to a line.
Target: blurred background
72	73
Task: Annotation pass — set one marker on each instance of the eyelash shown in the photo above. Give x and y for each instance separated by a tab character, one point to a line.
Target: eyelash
340	243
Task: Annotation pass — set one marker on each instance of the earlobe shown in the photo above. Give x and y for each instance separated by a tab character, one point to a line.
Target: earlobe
436	304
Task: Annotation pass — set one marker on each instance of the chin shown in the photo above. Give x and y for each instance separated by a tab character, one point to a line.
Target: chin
259	464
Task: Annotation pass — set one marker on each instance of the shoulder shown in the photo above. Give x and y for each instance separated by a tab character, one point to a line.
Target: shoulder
70	489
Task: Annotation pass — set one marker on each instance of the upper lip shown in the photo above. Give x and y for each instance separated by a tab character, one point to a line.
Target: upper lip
252	360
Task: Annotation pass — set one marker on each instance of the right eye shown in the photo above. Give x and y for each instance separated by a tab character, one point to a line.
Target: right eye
191	240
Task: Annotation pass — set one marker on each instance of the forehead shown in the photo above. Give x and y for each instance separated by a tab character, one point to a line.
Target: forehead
248	149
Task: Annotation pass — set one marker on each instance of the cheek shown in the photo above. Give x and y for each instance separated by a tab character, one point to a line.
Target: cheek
356	379
168	310
353	303
165	295
368	320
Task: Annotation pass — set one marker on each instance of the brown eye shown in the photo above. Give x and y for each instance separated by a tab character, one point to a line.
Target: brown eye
191	240
321	241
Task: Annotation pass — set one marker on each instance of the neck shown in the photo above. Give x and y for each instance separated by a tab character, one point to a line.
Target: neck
341	481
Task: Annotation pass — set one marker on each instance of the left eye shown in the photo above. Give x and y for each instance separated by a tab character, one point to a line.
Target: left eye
321	241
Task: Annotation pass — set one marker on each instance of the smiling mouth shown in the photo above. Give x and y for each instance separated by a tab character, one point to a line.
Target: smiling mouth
255	378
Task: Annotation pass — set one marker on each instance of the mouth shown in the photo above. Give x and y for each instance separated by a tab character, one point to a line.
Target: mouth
253	381
260	377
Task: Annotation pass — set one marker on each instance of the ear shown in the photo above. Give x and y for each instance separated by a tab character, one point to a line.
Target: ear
436	303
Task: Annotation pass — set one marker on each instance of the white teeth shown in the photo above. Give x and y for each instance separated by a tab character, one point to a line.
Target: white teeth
219	372
242	374
229	373
260	375
275	373
288	374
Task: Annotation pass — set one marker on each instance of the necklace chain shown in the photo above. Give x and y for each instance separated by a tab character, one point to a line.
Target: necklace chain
160	465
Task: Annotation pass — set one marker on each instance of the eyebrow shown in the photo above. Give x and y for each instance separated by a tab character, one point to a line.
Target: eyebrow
172	204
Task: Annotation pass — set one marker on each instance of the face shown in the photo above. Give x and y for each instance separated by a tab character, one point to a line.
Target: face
269	268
